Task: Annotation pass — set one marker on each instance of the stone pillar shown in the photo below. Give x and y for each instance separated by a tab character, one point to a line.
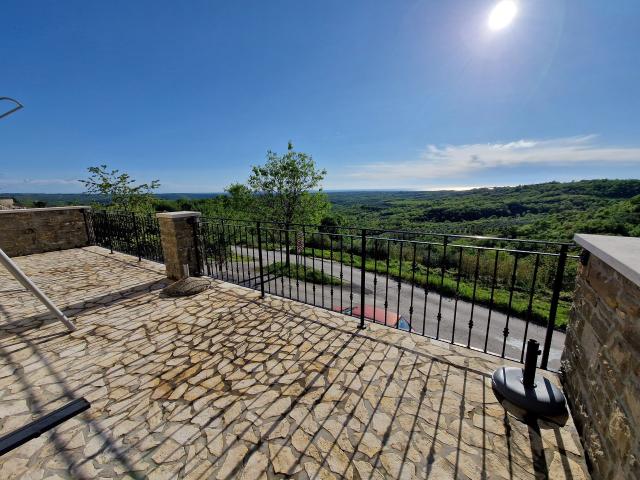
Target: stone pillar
178	243
601	359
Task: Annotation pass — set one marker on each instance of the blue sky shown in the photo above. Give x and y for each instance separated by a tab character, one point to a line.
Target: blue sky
383	94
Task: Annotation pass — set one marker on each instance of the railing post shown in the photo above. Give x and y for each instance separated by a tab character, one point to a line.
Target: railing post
363	259
553	309
223	247
196	243
108	224
260	260
443	270
135	228
286	241
87	219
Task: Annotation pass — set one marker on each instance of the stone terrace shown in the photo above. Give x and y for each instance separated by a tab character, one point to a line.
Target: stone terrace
226	385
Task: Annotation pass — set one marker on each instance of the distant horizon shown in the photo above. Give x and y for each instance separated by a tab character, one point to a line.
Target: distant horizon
367	190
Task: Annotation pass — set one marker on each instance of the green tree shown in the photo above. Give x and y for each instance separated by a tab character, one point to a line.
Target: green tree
287	188
120	190
329	224
239	201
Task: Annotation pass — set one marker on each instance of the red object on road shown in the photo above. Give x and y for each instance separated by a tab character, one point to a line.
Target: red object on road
378	315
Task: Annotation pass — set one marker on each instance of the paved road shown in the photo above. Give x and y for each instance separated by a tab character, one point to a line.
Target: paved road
424	317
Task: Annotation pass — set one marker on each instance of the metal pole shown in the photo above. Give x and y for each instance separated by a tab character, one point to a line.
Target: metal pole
86	227
363	259
443	270
196	244
135	228
260	261
286	240
36	428
29	285
553	309
529	370
16	272
106	221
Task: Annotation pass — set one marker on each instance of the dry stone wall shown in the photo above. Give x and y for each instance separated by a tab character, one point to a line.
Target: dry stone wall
601	366
37	230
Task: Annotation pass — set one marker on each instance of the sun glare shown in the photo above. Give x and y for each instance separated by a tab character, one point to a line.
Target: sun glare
502	14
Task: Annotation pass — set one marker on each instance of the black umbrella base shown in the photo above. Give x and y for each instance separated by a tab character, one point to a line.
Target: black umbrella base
544	398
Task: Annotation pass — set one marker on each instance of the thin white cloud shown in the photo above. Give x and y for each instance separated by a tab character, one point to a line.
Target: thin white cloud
458	161
38	181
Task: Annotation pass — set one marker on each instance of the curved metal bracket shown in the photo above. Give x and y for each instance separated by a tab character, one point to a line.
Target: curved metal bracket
14	109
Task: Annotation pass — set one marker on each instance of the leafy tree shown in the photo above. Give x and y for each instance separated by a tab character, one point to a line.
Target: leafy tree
185	204
120	189
162	205
329	224
284	188
239	201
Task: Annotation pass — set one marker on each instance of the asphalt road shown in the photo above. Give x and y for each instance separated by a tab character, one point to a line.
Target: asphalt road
424	317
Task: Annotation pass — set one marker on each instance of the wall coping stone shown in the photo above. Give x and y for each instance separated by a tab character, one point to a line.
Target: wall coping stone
621	253
183	214
45	209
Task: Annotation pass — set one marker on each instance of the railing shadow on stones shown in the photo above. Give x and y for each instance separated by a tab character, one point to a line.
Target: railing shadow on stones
485	293
344	337
35	322
252	450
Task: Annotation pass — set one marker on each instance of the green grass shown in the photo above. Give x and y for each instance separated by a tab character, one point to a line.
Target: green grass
309	275
235	257
447	287
232	257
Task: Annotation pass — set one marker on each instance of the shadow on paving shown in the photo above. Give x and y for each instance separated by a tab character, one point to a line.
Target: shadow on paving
20	326
225	385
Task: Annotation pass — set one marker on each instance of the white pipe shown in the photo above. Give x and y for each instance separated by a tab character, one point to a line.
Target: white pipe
29	285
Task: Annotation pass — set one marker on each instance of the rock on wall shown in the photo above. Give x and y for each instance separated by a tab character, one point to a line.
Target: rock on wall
37	230
600	365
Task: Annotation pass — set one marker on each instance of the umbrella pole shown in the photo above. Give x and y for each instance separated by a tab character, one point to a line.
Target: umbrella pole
29	285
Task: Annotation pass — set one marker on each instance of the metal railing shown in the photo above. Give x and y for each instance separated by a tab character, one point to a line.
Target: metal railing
485	293
127	232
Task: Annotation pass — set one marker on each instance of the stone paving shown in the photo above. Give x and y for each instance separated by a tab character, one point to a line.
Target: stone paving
227	385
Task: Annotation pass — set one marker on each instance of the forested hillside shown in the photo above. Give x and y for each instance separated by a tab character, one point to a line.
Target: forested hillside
547	211
552	211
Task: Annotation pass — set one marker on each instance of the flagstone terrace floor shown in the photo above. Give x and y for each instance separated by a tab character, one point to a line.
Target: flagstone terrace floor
227	385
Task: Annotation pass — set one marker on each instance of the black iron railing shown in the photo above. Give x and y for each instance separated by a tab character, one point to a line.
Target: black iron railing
486	293
126	232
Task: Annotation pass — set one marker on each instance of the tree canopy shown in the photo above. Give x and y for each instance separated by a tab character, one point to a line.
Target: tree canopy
287	188
120	189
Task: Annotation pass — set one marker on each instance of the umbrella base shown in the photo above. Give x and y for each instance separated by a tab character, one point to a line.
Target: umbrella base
544	398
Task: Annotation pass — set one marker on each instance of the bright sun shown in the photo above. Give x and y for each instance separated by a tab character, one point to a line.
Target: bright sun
502	14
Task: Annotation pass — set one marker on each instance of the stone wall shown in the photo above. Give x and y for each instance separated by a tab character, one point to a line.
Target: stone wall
601	363
6	203
37	230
